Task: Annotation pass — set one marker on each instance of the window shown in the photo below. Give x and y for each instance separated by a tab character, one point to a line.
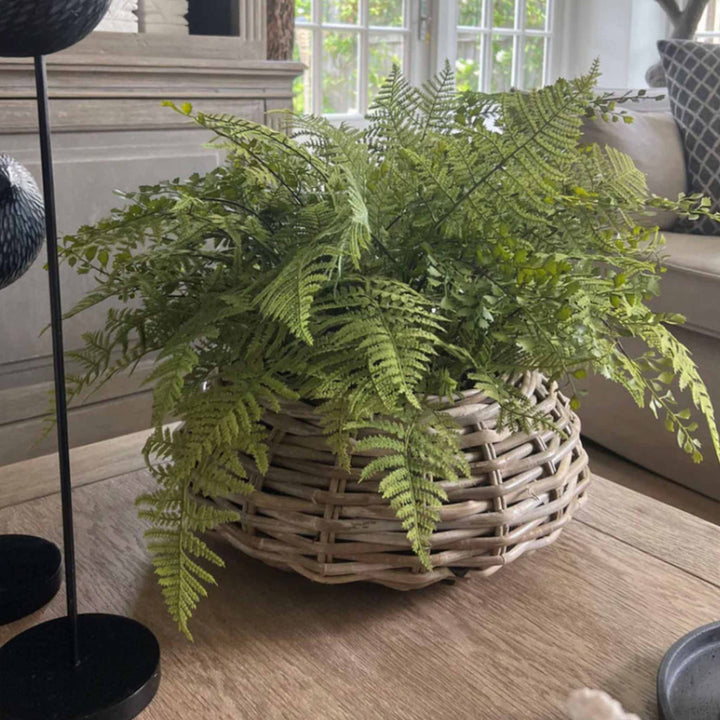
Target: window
709	28
503	44
349	46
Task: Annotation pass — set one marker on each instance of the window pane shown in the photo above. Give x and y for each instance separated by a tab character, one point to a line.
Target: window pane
340	72
468	65
303	10
536	14
340	11
471	12
302	85
710	21
504	13
533	62
502	62
713	17
386	12
386	50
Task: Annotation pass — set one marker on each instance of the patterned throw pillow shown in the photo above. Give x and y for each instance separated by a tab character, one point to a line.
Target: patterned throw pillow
693	77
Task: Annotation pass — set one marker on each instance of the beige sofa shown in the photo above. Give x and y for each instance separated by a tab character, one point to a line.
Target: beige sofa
691	286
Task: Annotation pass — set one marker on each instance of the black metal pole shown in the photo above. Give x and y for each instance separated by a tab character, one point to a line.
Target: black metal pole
58	353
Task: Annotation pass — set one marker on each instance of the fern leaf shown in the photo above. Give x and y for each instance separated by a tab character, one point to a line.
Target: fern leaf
289	297
178	552
169	378
438	101
417	453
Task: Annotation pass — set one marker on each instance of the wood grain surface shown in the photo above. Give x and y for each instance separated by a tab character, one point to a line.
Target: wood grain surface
599	608
676	537
35	478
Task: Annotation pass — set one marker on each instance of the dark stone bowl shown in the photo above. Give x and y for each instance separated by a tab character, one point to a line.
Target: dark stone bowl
40	27
688	682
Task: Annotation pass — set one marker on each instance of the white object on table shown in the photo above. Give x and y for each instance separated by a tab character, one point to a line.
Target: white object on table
589	704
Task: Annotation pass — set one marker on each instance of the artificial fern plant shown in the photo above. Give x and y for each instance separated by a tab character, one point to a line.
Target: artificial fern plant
364	270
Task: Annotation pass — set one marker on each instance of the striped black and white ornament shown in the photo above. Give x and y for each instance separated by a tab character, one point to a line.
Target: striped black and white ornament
22	220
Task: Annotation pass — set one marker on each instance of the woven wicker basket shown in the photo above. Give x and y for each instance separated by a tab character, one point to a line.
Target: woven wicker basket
311	517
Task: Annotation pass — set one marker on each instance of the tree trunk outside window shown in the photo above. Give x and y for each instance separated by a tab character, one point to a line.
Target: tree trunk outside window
280	29
685	24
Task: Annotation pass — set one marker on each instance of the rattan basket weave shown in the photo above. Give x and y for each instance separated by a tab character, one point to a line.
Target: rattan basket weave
311	517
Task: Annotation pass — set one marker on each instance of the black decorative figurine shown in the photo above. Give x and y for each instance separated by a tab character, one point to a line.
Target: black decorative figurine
30	28
22	220
94	667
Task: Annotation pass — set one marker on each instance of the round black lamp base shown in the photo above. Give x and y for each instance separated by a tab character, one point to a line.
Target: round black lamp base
30	575
116	679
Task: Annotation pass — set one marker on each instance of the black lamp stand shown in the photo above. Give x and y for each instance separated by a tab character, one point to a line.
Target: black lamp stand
88	666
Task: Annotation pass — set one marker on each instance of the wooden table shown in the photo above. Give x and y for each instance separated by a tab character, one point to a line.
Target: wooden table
598	609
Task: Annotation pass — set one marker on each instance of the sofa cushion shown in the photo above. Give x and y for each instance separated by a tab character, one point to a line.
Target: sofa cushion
653	141
693	75
691	285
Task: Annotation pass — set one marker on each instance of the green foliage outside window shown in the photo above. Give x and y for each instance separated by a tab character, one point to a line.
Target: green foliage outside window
470	12
535	14
366	271
467	71
340	72
302	52
340	11
501	75
469	64
303	10
504	13
386	51
387	13
340	68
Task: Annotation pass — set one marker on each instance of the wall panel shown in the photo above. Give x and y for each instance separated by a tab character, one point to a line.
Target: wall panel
110	132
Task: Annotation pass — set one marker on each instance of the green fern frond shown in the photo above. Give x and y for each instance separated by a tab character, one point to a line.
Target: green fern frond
169	378
393	114
177	551
438	101
386	333
455	241
289	297
418	453
685	372
357	234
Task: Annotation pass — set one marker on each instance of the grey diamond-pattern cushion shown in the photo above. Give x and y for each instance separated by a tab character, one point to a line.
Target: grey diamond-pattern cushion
693	77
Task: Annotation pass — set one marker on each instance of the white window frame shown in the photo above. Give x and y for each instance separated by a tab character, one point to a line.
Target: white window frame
446	29
712	35
363	29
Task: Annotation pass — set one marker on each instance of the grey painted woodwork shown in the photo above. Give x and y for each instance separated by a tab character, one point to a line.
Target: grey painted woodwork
110	132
